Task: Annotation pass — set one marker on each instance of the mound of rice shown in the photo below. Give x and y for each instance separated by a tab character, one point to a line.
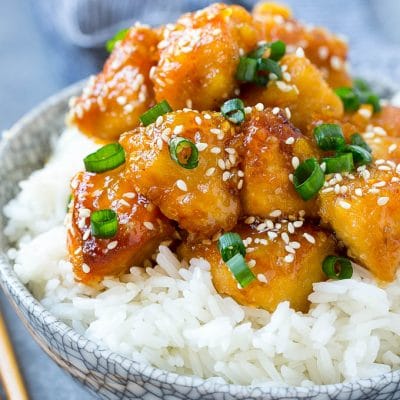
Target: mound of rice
171	316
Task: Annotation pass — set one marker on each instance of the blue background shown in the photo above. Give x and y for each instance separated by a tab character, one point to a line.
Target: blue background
36	62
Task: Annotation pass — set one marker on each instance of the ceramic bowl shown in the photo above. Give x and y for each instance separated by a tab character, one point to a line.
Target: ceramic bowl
23	149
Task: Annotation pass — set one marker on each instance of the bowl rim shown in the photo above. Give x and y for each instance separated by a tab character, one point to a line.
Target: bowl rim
56	326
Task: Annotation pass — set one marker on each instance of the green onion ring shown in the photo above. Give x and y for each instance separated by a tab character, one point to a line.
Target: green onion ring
357	140
360	155
329	137
106	158
308	179
104	223
330	267
339	163
184	152
233	111
151	115
230	244
240	270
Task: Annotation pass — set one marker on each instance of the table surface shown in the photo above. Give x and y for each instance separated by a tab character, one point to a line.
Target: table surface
52	65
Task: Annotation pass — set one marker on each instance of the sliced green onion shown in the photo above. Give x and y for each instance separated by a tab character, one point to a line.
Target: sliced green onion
337	267
308	179
358	140
184	152
266	64
349	98
233	110
373	99
360	155
69	201
106	158
247	69
110	44
329	136
230	244
151	115
104	223
361	85
278	50
240	270
339	163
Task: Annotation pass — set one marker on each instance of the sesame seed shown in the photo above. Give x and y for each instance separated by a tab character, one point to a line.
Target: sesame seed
272	235
112	245
290	140
210	171
249	220
159	120
226	175
230	150
290	176
288	113
85	268
344	204
259	106
283	87
323	52
197	119
247	110
221	163
207	116
382	201
215	150
290	227
365	174
327	190
148	225
289	249
201	146
309	238
287	77
384	168
289	258
240	184
336	63
379	184
261	226
86	234
295	162
358	192
298	224
295	245
365	113
215	131
392	148
251	263
181	185
129	195
299	52
275	110
178	129
275	213
84	212
262	278
285	237
379	131
121	100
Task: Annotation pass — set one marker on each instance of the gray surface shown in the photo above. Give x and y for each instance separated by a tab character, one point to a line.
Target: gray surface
35	63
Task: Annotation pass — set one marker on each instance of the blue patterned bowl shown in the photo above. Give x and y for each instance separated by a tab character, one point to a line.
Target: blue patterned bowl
108	374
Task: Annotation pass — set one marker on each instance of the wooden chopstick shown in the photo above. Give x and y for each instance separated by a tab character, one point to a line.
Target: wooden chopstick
9	371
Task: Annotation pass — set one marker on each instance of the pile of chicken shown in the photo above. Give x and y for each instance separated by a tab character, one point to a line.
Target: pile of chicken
243	181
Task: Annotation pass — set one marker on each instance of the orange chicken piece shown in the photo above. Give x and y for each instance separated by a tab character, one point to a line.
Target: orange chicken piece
307	95
388	119
269	143
367	217
280	275
203	200
112	101
141	226
199	56
325	50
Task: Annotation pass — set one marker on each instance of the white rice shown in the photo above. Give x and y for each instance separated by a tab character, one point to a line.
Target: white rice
171	316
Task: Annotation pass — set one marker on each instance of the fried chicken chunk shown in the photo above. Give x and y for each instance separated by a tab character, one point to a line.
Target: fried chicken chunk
112	102
269	143
281	275
141	226
305	92
325	50
366	217
199	56
204	199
